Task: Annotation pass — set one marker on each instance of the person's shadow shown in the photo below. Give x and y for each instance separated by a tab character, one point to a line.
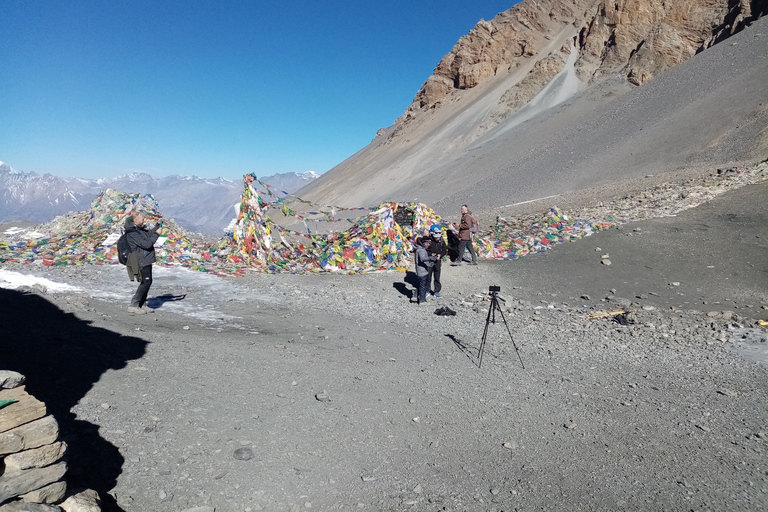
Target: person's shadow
62	357
157	302
409	279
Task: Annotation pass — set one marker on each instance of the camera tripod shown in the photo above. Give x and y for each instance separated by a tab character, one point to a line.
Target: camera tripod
491	319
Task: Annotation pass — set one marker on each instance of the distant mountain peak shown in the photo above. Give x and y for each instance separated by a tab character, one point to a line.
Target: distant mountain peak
201	205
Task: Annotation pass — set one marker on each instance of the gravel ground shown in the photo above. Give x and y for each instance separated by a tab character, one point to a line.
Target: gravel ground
330	392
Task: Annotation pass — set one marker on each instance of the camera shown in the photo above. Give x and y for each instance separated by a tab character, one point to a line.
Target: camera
493	289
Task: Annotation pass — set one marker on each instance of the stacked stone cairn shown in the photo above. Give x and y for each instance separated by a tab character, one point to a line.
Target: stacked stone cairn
32	464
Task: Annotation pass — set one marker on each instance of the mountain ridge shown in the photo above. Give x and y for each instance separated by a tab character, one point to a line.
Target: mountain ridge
32	197
471	119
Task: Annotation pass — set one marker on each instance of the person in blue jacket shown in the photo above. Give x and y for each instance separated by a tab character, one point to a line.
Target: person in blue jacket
142	240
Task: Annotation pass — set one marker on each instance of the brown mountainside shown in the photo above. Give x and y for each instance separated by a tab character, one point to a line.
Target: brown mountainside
575	72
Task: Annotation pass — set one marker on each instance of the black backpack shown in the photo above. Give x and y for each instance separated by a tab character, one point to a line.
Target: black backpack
123	249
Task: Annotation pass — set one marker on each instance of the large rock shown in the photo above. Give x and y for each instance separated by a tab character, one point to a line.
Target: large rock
53	493
16	483
23	506
36	458
85	501
27	409
10	379
31	435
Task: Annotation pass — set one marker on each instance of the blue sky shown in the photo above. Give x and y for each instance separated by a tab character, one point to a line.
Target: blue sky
97	88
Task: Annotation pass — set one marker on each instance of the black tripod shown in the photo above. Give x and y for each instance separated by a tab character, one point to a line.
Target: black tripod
493	290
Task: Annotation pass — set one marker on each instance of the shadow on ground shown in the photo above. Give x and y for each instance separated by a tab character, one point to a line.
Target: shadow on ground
157	302
62	357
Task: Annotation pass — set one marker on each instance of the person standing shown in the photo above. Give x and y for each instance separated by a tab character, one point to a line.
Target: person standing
142	241
424	263
437	248
467	228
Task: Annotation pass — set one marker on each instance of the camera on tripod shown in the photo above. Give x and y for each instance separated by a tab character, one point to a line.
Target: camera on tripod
491	319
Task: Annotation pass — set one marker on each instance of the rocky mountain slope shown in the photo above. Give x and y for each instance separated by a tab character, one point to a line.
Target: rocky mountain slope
552	95
39	198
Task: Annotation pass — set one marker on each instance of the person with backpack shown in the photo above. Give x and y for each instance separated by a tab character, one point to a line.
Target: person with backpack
141	240
467	229
424	263
437	248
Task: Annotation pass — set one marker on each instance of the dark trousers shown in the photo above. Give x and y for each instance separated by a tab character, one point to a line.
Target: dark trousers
140	297
466	244
434	277
423	288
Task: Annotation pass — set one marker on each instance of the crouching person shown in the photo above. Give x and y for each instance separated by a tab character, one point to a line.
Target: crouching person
424	263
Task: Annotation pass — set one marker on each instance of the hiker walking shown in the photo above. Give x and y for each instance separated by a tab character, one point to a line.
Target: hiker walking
466	232
141	241
437	248
424	263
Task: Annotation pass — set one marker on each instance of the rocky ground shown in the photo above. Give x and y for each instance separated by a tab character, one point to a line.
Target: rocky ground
331	392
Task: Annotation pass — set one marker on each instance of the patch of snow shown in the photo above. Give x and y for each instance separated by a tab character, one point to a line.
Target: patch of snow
12	280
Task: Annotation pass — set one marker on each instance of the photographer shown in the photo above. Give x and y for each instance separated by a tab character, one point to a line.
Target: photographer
142	241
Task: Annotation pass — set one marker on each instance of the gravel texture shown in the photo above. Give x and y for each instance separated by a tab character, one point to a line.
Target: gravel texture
331	392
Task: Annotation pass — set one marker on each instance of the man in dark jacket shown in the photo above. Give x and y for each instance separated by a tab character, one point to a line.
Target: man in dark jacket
437	248
423	262
466	230
141	240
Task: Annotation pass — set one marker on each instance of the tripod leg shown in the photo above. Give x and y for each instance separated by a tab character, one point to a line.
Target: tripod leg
510	336
485	335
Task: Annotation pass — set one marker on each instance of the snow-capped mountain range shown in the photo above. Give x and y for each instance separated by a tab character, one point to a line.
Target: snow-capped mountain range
201	205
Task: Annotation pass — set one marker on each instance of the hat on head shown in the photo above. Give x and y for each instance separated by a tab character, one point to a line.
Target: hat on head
435	229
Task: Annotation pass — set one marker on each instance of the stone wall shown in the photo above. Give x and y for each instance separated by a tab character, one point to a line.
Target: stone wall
32	464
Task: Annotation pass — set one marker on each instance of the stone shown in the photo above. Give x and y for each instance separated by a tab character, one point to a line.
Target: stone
322	397
243	454
52	493
727	392
30	435
36	457
417	489
199	509
23	506
620	301
16	483
85	501
606	262
569	425
10	379
27	409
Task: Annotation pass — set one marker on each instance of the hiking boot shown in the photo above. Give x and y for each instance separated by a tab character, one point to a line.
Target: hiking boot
473	263
437	294
135	310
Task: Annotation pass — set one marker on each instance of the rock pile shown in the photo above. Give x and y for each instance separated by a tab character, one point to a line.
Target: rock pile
32	465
